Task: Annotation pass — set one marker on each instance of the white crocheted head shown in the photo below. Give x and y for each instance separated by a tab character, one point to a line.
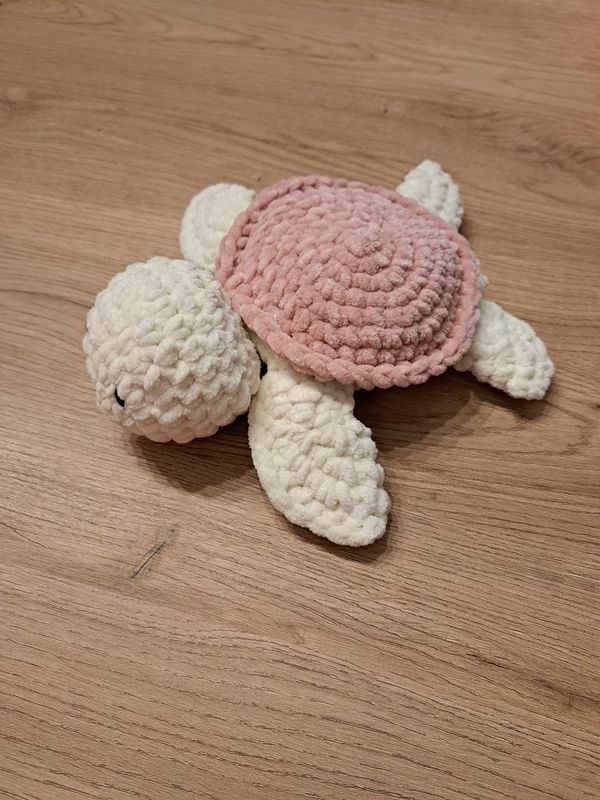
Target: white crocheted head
168	356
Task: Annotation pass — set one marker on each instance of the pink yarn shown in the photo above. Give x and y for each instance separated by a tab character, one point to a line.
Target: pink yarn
351	282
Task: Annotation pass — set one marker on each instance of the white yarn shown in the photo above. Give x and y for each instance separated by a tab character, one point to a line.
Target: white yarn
207	219
506	353
315	460
164	335
434	189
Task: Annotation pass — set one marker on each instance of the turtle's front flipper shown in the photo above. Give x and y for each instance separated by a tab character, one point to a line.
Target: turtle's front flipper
507	353
434	189
315	460
207	219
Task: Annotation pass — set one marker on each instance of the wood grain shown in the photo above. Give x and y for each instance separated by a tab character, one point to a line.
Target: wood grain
165	633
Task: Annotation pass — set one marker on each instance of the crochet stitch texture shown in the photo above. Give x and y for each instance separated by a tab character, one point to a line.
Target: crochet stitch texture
162	335
351	282
340	284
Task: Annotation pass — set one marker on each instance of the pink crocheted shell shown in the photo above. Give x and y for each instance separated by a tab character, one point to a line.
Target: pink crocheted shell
351	282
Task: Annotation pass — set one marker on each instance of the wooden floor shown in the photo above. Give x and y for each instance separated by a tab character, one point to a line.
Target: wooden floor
164	633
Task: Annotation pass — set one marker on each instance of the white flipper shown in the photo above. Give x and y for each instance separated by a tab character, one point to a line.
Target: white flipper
207	219
507	354
434	189
315	460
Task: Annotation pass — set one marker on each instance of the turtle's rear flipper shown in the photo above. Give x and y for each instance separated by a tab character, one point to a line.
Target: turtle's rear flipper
507	353
434	189
315	460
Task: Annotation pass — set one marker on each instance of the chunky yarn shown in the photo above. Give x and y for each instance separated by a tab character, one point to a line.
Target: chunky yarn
315	460
435	190
207	219
341	284
169	357
507	353
351	282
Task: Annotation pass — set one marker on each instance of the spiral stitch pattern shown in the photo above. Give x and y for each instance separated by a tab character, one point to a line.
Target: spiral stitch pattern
351	282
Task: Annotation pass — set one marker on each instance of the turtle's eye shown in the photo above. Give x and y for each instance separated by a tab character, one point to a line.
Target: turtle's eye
119	400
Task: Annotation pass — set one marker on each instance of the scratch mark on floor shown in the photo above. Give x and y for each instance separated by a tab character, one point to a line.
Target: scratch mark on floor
154	551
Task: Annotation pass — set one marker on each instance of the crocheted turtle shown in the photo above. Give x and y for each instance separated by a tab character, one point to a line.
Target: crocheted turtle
340	285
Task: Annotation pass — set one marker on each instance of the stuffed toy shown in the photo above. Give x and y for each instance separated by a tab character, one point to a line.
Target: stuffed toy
337	285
